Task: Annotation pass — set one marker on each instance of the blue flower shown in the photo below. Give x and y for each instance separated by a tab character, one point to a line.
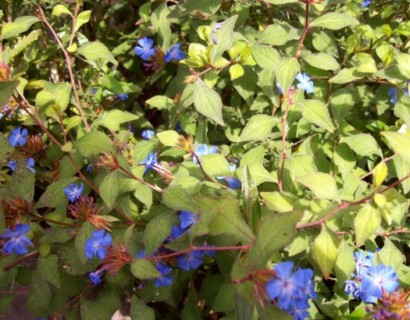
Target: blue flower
18	137
278	86
291	290
97	244
190	261
89	168
352	287
146	48
176	232
140	254
232	182
95	277
165	279
204	149
30	165
188	218
150	161
364	260
178	127
174	54
379	279
393	94
305	83
12	164
366	3
17	240
74	191
147	134
298	309
122	96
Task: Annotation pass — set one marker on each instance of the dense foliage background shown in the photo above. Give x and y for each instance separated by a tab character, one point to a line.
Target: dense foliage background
205	159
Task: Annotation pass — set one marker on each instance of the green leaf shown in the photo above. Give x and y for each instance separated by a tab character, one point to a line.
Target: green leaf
236	71
322	61
399	143
366	222
316	112
6	90
278	34
323	185
325	250
334	21
274	232
144	269
60	9
82	19
20	25
109	189
54	195
390	255
225	298
215	165
48	269
342	101
286	72
96	53
221	216
175	197
258	127
93	143
169	138
224	37
54	93
346	75
363	144
39	298
5	148
113	119
276	201
208	102
266	57
161	103
379	174
246	85
139	310
156	231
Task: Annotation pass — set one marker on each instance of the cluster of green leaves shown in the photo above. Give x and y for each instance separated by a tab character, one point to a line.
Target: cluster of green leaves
321	174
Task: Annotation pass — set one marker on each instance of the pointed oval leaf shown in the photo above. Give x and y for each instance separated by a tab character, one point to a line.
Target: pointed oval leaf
208	102
325	250
366	222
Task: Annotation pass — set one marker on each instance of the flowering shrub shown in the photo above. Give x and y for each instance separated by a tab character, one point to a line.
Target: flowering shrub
219	159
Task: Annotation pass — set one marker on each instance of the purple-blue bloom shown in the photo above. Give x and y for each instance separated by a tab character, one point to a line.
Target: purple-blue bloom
165	279
305	82
174	53
146	48
150	161
379	279
147	134
74	191
393	94
364	260
122	96
18	137
176	232
95	276
366	3
188	219
17	240
291	290
140	254
352	287
190	261
97	244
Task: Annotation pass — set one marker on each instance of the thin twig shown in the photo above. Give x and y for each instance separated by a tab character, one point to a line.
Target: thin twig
69	64
305	31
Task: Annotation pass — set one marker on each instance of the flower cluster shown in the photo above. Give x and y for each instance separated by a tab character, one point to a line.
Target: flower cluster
17	241
370	282
146	50
290	290
30	163
392	306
